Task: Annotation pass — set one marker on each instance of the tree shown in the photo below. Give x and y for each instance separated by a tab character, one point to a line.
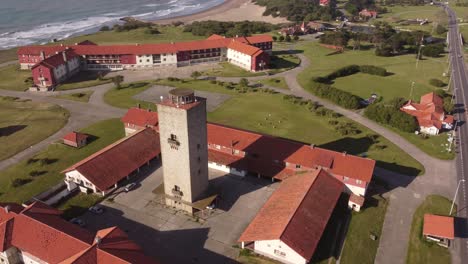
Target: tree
296	38
437	83
195	74
117	80
104	28
275	38
440	29
281	38
288	38
243	82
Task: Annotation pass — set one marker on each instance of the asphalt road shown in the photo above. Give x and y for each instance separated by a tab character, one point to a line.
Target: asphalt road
460	85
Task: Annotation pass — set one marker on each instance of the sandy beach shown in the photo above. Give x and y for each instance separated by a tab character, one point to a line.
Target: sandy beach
231	10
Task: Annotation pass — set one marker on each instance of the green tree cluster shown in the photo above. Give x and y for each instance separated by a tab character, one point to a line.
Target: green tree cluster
339	97
230	29
389	113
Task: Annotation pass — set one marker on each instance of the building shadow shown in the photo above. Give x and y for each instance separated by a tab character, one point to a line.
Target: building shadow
10	130
180	246
460	227
287	52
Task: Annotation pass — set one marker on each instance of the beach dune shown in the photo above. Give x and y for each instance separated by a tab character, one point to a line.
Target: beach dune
231	10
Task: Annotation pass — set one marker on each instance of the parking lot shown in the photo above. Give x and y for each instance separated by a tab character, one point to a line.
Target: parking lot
174	237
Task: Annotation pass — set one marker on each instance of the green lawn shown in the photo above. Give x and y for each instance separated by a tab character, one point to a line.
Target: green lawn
397	14
14	79
79	97
278	82
168	34
359	248
78	204
420	250
25	123
285	119
51	161
229	70
122	97
8	55
82	79
404	72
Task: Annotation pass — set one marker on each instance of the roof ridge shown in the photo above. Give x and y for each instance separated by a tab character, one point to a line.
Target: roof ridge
103	150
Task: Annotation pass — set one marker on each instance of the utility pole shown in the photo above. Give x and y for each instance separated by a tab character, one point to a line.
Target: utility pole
455	196
411	91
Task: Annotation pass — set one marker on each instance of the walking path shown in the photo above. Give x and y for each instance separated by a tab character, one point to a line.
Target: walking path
406	194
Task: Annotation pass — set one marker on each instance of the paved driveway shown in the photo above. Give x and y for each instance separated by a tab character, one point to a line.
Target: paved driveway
174	237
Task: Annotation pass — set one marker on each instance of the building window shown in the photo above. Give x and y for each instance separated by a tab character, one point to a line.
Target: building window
346	178
358	181
298	166
141	61
279	253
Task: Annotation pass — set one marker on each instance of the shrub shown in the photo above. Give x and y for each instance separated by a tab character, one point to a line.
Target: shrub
432	50
340	97
436	83
288	38
20	182
389	113
281	38
244	82
104	28
117	80
373	70
275	38
152	31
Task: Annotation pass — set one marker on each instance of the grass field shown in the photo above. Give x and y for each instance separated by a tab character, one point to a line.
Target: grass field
122	97
8	55
398	84
78	204
50	162
25	123
359	248
229	70
278	82
79	97
14	79
398	13
82	79
419	250
285	119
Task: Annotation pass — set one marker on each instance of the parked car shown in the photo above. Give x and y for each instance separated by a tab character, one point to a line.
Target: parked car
78	222
96	209
130	186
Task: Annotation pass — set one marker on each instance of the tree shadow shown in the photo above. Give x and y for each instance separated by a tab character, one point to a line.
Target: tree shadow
91	138
83	76
10	130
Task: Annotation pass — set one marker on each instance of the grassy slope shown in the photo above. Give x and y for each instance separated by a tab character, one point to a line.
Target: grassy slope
248	111
13	79
8	55
23	124
359	248
122	97
419	250
397	85
105	133
79	97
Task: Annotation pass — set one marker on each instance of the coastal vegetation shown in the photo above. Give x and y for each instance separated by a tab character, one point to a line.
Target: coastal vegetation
420	250
49	163
229	29
389	113
24	123
277	82
299	10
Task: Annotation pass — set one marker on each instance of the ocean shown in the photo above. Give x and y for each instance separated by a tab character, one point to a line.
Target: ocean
24	22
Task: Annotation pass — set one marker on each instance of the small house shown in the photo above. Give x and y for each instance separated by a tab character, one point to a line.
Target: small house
75	139
440	229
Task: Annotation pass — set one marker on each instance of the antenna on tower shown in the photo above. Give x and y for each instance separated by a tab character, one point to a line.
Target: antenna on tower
161	98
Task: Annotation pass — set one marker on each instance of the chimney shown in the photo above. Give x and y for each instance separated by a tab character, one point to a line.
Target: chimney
42	55
64	54
7	208
61	44
344	153
138	106
136	44
237	36
76	43
312	146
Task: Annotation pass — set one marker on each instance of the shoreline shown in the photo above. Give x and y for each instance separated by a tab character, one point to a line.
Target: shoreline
230	10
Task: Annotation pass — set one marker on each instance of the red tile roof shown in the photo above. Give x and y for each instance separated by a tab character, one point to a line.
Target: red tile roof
141	117
57	59
357	199
39	230
297	212
291	152
115	162
75	137
244	48
439	226
429	112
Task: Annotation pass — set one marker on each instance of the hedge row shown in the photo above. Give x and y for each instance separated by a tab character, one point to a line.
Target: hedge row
339	97
389	113
350	70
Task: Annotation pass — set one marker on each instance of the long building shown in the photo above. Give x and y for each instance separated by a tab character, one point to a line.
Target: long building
36	234
230	150
52	65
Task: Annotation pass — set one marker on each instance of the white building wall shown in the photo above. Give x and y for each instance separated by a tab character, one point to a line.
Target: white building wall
239	59
169	59
30	259
144	60
355	189
429	130
10	256
76	177
226	169
278	250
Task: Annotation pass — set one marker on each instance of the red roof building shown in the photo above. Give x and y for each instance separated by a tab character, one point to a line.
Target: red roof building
102	171
290	224
440	229
368	14
37	233
75	139
137	118
324	2
429	113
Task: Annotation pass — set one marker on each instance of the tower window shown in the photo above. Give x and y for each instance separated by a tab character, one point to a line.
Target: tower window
173	137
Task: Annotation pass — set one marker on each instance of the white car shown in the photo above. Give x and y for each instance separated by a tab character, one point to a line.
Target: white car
78	222
130	187
96	209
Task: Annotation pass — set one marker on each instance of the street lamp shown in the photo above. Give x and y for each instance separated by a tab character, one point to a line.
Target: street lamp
455	196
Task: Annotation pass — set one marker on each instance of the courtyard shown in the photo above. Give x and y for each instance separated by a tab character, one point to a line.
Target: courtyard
164	233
